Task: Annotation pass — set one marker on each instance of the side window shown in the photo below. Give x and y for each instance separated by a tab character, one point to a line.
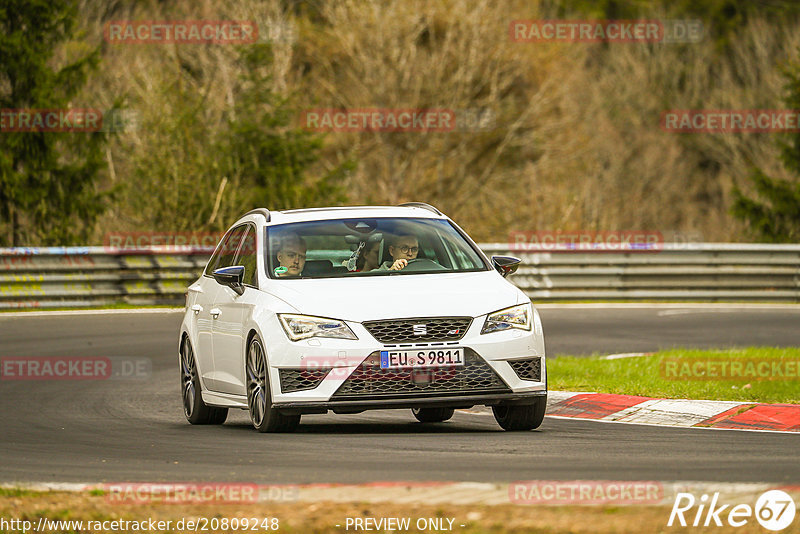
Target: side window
247	257
227	252
213	261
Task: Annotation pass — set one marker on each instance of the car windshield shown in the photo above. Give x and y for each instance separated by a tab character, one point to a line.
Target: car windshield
368	247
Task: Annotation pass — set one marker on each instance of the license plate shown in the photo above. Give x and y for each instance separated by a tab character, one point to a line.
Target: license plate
420	359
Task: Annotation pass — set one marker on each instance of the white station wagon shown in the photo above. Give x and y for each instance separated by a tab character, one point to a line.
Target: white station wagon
358	308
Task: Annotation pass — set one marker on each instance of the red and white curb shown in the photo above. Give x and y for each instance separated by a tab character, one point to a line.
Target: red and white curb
675	412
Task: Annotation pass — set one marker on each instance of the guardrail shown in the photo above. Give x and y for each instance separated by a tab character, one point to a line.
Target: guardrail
88	276
722	272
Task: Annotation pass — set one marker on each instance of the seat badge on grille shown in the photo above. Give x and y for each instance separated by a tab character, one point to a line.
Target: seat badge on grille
454	332
420	329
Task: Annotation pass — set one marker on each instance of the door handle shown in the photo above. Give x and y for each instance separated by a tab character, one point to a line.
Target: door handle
197	309
215	312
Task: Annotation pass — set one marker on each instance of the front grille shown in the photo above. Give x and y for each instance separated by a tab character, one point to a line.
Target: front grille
369	380
301	379
403	330
528	369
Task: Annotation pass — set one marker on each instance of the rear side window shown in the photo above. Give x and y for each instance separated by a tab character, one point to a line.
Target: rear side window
226	252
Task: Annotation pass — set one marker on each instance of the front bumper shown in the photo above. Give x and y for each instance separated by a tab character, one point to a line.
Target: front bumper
440	401
346	358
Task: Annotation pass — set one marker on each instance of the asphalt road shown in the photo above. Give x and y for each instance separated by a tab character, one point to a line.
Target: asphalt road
134	430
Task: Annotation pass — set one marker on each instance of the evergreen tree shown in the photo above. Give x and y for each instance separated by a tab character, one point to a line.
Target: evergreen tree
774	215
271	155
48	192
254	157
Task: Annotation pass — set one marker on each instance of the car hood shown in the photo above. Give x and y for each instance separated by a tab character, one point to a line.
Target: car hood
385	297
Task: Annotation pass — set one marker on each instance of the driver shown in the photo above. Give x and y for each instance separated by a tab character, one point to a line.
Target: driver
402	249
291	256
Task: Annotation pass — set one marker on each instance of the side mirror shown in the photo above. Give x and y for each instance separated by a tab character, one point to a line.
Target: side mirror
506	265
231	277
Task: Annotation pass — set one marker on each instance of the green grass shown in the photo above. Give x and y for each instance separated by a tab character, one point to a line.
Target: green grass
18	492
649	375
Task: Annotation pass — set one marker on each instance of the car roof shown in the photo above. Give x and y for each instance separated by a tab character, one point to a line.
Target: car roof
346	212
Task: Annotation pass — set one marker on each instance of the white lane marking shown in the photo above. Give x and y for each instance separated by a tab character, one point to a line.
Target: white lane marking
666	313
49	486
666	305
625	355
672	412
90	312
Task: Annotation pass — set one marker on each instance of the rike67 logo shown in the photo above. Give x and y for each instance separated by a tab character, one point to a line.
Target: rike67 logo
774	510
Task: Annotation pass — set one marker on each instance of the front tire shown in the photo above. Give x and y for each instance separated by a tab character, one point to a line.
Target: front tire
264	416
521	417
196	411
432	415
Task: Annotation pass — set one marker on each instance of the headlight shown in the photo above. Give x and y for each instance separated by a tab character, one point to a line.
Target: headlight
513	317
299	327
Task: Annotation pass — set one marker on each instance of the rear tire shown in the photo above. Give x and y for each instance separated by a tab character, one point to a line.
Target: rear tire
264	416
432	415
521	417
196	411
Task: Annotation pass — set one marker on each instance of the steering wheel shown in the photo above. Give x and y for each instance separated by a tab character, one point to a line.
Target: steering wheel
423	264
